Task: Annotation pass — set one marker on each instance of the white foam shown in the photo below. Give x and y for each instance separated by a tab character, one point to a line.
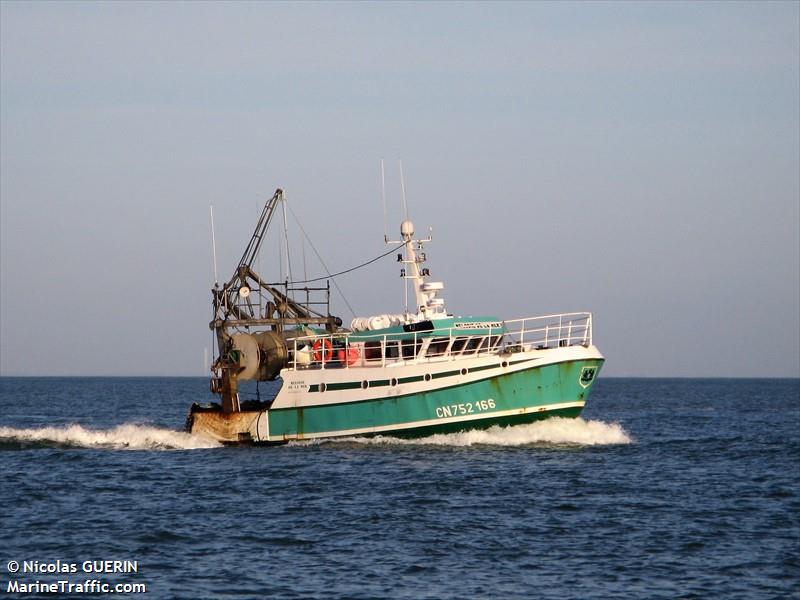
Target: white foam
555	431
123	437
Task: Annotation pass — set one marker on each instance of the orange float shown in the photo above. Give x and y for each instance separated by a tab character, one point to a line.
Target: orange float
322	348
349	356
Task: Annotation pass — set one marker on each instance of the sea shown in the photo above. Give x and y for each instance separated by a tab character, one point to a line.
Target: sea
664	488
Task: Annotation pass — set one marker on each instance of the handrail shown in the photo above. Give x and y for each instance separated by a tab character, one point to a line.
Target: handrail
528	333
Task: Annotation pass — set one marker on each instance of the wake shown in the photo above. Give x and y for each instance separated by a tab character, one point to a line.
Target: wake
555	431
122	437
550	432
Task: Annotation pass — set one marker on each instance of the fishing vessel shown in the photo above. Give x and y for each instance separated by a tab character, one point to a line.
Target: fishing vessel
409	374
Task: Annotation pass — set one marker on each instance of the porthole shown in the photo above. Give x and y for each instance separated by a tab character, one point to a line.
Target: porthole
464	371
322	387
428	377
393	381
364	384
504	364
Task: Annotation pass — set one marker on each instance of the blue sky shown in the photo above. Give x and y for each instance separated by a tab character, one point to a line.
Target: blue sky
639	160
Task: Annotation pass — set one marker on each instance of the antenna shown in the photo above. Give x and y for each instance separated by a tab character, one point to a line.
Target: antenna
305	270
280	258
286	240
403	187
258	267
383	198
213	243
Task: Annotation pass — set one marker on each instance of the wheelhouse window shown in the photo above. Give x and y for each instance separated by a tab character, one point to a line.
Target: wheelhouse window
372	351
458	345
437	347
392	350
410	348
473	345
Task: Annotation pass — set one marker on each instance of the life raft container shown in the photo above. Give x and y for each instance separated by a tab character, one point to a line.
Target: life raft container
349	356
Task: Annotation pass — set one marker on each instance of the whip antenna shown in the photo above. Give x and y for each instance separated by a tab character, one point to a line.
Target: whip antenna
213	243
286	240
403	187
383	198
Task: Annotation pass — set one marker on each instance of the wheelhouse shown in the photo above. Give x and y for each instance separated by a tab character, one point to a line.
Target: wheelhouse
449	339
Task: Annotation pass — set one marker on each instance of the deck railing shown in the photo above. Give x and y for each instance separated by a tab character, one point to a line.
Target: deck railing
550	331
531	333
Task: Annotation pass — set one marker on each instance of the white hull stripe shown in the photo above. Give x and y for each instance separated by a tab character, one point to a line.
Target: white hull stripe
442	421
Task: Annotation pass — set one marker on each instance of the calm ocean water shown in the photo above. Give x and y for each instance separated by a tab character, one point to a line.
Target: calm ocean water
664	489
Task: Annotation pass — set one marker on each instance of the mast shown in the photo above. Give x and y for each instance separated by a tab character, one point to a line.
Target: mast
428	304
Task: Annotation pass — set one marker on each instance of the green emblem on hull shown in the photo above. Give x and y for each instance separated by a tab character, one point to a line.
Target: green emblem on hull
587	376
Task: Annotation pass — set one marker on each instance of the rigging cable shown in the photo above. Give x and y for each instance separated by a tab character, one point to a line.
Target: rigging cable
369	262
324	266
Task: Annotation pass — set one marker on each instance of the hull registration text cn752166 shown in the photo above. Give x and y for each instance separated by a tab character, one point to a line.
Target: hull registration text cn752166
464	408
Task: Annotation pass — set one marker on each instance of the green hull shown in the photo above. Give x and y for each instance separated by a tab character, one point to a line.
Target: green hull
512	398
457	427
